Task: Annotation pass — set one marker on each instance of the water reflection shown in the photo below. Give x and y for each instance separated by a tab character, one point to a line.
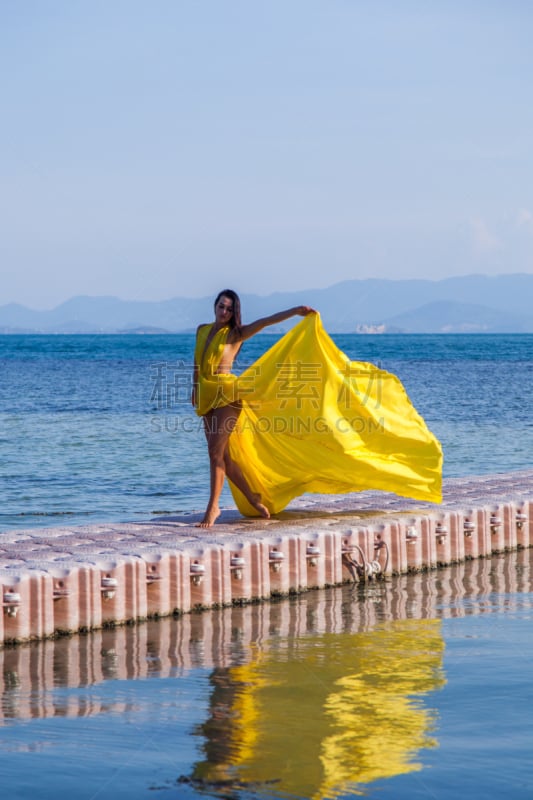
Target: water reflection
310	697
319	713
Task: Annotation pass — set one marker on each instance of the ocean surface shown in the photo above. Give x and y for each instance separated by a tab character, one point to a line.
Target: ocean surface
100	428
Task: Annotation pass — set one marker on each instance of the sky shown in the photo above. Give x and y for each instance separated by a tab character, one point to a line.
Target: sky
152	149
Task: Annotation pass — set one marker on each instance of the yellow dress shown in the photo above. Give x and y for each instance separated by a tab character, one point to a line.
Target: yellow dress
314	421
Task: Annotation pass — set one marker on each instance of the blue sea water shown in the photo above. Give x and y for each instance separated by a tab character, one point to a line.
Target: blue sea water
100	428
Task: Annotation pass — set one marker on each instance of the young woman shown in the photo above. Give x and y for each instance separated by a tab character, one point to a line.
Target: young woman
304	418
215	396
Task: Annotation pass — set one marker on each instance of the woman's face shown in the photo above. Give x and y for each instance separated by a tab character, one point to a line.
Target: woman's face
224	310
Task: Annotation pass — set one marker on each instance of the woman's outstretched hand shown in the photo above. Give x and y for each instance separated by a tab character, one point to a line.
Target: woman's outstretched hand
303	311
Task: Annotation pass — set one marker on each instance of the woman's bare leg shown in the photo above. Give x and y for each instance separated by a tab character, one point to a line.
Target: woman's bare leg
218	425
235	474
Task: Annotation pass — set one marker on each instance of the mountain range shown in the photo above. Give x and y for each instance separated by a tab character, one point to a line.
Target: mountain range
468	304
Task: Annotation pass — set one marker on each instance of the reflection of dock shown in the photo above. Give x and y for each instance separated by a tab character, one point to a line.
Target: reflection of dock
64	580
30	675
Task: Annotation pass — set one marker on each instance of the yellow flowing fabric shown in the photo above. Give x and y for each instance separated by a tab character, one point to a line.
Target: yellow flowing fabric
314	421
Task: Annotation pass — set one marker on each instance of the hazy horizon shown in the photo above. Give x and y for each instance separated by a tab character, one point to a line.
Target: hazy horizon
304	289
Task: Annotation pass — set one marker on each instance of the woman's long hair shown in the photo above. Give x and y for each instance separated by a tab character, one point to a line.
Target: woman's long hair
235	321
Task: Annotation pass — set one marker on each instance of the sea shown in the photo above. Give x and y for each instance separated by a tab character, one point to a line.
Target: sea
419	686
99	428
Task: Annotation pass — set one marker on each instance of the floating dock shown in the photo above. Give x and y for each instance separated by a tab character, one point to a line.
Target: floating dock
162	648
62	580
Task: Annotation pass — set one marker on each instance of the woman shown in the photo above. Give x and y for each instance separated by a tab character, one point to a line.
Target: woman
304	418
215	398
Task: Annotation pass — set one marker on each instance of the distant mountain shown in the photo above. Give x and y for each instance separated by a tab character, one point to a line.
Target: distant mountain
473	303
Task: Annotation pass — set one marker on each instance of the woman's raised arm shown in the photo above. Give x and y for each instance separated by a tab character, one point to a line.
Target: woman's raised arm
254	327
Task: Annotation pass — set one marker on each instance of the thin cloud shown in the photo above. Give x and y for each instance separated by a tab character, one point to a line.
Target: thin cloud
484	241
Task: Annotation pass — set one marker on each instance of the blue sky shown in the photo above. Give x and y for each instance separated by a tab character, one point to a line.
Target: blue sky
174	147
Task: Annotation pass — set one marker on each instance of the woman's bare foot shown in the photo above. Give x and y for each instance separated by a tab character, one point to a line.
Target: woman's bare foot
210	517
259	506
